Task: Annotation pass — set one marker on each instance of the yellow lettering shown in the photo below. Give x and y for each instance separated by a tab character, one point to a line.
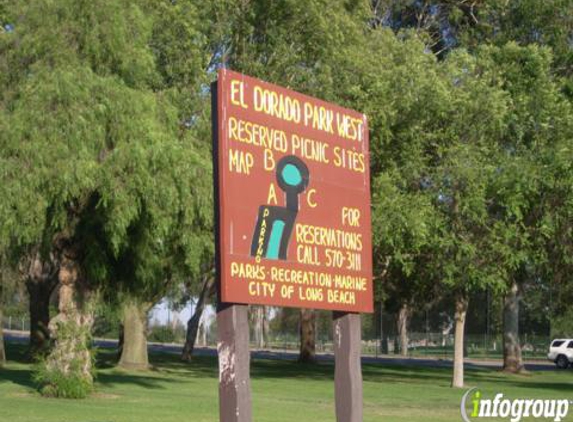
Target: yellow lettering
277	105
309	196
351	216
240	270
272	198
238	94
240	161
269	160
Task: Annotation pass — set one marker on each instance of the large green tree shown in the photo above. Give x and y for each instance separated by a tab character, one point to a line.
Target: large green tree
98	143
431	156
501	179
402	98
522	191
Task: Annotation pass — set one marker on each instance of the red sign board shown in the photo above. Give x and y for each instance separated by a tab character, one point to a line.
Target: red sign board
293	199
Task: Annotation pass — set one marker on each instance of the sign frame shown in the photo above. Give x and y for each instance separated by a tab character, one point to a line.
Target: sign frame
323	221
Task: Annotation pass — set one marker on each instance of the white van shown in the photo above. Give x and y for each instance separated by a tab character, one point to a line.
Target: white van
561	352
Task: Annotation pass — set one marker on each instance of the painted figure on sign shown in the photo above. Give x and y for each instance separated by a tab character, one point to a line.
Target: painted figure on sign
275	224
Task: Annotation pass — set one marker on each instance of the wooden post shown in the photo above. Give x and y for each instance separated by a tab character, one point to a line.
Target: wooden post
232	320
348	371
234	363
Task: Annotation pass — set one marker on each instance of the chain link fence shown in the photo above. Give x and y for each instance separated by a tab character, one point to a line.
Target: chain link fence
15	323
430	332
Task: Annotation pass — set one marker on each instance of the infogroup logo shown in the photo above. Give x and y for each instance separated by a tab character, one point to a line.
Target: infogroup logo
515	410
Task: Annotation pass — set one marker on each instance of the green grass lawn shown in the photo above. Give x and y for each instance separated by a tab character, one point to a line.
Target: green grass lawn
282	392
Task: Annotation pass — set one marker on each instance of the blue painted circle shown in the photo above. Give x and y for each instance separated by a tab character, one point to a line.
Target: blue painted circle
291	175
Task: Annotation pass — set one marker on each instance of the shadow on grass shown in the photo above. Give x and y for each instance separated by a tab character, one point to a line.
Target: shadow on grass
105	360
19	376
206	367
167	368
108	379
292	369
23	377
530	382
18	352
154	378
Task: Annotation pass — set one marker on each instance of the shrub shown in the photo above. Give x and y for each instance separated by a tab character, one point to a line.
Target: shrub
161	334
56	384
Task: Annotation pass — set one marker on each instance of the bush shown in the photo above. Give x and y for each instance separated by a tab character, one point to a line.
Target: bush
56	384
161	334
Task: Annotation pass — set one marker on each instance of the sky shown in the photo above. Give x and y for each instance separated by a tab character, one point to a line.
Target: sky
161	314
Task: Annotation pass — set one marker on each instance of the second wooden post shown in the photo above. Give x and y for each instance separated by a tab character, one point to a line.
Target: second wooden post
348	368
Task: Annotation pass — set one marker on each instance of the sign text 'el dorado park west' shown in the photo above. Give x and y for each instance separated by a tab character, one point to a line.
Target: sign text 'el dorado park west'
294	199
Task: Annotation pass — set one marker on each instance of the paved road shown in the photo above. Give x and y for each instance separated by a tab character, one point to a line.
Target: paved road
22	337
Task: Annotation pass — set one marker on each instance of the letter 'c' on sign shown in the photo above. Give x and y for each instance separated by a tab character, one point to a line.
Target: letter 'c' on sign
309	198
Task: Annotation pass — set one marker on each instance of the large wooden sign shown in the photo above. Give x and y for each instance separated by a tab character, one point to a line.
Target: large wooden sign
294	199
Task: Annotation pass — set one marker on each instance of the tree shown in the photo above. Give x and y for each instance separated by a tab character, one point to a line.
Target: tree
133	354
445	163
468	258
431	151
146	271
451	24
258	316
99	129
558	247
537	122
402	97
529	22
403	231
307	331
207	290
521	186
177	43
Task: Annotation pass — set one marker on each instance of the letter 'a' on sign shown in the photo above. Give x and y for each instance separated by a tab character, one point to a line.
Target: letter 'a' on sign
293	188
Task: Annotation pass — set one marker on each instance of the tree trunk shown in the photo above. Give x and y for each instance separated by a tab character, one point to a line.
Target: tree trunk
460	321
307	336
402	326
193	323
120	342
202	334
266	326
512	359
70	330
39	297
378	311
2	350
134	351
41	280
259	326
